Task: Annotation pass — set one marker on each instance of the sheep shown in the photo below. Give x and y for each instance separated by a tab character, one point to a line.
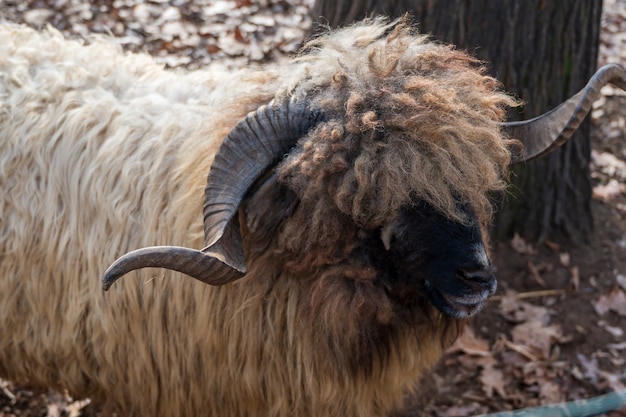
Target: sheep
345	215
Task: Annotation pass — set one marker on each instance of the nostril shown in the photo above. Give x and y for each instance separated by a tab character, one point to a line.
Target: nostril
478	275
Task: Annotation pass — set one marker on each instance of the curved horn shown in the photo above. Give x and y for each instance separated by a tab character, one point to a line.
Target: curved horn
255	144
192	262
545	133
252	146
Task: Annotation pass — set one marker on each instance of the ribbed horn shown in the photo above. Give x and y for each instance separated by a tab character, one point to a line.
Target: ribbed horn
191	262
252	146
547	132
255	144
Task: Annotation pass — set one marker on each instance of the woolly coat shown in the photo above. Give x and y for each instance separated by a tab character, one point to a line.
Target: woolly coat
102	152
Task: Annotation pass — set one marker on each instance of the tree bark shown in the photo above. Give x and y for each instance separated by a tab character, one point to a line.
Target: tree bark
543	52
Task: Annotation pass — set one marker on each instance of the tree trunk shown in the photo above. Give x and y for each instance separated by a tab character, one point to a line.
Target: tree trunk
544	52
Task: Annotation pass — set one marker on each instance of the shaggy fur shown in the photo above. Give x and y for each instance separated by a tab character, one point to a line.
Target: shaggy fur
103	152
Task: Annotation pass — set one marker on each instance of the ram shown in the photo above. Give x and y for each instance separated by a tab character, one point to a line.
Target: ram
345	211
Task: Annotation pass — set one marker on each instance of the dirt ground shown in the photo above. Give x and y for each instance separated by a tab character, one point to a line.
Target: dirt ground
555	330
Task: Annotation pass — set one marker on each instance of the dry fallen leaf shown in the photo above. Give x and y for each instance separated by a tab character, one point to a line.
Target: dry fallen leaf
598	377
470	344
533	333
5	388
616	347
521	246
614	301
621	281
608	191
609	164
515	310
534	272
615	331
38	17
575	278
470	409
63	405
538	337
552	245
550	392
590	368
492	380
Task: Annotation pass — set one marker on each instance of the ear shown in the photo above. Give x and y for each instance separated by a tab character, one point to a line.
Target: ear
267	205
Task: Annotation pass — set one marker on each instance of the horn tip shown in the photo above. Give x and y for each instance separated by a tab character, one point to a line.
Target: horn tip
111	275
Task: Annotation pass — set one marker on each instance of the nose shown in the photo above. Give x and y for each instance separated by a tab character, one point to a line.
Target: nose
479	269
480	279
478	275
